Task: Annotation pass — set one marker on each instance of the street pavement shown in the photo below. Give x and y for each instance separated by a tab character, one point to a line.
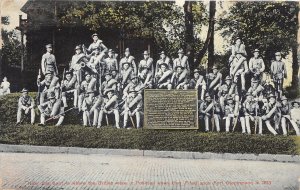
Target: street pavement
75	171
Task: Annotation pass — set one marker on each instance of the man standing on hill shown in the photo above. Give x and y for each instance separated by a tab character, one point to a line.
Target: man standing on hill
48	63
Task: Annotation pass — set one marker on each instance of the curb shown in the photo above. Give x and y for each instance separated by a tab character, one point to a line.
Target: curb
148	153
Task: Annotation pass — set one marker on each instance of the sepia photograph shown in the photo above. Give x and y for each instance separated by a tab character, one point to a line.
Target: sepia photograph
117	94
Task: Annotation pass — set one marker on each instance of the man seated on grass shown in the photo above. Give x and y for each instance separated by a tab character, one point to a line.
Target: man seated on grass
52	109
25	105
290	114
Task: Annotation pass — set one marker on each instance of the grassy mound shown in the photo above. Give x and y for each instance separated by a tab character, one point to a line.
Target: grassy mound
73	134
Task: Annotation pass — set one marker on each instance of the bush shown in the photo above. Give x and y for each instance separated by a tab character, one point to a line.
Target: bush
172	140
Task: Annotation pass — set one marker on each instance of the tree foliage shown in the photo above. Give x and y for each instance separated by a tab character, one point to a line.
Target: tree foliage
268	26
11	49
162	21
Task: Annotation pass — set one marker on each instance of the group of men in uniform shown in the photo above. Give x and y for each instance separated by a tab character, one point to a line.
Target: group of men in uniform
99	85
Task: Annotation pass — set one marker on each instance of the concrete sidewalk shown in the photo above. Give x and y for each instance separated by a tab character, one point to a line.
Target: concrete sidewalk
148	153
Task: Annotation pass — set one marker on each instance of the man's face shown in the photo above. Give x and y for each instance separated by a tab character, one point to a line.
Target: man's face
78	51
162	56
215	71
110	54
68	77
52	100
146	56
97	51
256	54
284	102
88	77
163	68
238	41
296	105
144	72
180	55
249	98
95	38
272	100
208	99
230	101
125	66
179	70
127	53
278	57
254	84
4	79
49	49
109	94
114	73
107	77
228	82
238	55
196	75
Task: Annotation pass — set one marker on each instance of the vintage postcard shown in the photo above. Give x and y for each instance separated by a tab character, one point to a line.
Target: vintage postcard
149	94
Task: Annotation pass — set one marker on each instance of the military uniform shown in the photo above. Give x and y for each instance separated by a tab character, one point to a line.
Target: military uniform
285	110
133	106
48	63
128	59
52	108
256	65
226	90
97	44
256	90
163	60
146	78
278	73
239	68
214	80
111	63
135	85
88	84
78	60
25	104
237	48
270	110
126	74
48	85
198	83
179	79
109	106
90	106
146	64
109	83
163	77
70	89
182	61
229	112
209	110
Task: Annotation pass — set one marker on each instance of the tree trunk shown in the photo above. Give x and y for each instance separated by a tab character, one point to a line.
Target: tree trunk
189	32
210	36
296	53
